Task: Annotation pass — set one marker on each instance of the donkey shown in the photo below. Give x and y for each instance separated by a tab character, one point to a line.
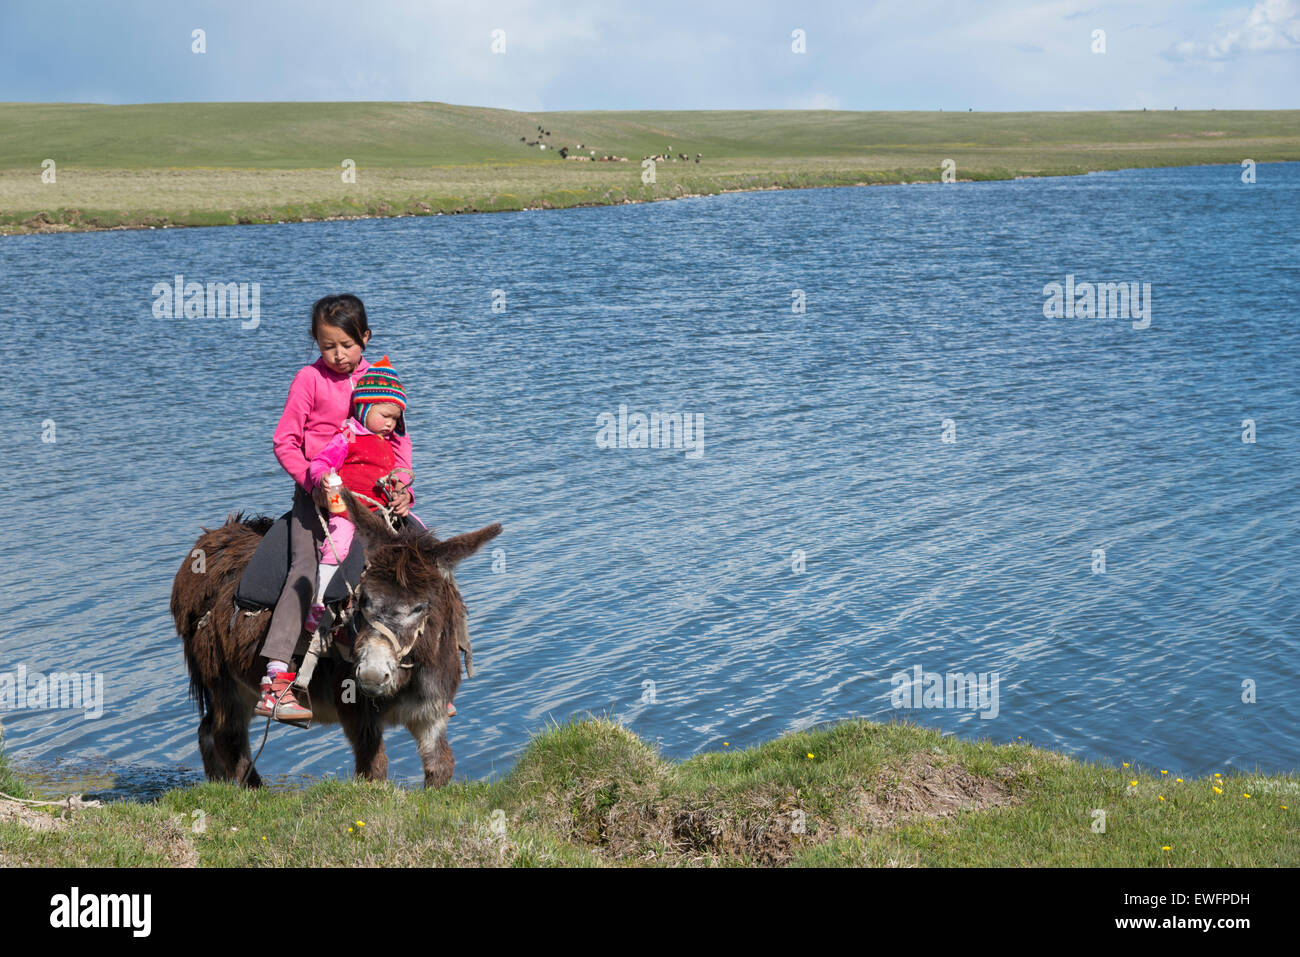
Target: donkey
408	626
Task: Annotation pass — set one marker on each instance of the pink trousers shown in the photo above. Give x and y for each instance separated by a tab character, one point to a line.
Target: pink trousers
341	531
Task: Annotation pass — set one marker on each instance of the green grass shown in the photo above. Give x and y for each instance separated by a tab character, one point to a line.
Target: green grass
191	164
9	783
591	793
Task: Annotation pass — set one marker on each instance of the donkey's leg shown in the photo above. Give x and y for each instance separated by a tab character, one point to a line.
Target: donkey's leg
366	735
230	735
224	747
244	761
212	768
430	735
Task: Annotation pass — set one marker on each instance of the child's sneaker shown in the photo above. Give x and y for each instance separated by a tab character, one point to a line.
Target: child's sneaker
278	701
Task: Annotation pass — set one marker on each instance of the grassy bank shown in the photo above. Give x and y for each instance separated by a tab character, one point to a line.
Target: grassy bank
592	793
221	163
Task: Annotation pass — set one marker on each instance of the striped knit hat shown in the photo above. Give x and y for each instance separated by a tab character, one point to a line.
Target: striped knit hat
378	384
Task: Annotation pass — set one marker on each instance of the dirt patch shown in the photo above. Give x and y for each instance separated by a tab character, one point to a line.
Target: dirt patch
925	789
771	826
171	840
37	820
703	831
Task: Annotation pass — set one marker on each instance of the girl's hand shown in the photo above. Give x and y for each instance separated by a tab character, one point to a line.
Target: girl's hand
400	499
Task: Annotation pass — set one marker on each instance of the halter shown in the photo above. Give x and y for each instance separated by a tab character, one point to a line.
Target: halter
399	650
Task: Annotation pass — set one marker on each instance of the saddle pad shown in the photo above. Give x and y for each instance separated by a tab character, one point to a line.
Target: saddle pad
264	578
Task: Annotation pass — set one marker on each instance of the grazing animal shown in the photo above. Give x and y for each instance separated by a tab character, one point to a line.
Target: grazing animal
409	623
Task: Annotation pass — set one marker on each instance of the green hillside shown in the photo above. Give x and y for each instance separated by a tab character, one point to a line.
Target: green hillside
216	163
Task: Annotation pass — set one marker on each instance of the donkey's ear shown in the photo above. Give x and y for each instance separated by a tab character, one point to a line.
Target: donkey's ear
453	550
370	526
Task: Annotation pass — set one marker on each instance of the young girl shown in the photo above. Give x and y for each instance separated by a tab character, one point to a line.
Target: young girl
319	400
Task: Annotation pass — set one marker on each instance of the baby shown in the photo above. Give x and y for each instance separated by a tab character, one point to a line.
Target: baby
361	456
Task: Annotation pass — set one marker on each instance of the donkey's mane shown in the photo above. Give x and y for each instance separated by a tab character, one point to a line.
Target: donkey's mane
409	558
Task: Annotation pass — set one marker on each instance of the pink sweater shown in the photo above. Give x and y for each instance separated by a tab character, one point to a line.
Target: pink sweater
335	452
319	401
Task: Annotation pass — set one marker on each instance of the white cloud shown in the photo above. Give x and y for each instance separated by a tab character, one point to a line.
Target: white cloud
1270	26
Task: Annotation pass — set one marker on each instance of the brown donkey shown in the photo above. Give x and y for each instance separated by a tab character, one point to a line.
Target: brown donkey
405	671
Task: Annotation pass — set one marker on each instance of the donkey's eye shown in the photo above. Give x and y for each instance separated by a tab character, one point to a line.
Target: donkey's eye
420	609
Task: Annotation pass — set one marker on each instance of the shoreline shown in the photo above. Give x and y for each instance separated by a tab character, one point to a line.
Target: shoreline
42	223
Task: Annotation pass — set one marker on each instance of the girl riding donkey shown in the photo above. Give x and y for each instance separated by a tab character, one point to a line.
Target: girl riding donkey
320	398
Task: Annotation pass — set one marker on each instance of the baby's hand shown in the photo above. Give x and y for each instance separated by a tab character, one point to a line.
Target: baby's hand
320	494
400	499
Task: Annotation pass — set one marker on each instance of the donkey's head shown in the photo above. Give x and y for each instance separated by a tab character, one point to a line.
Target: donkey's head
409	600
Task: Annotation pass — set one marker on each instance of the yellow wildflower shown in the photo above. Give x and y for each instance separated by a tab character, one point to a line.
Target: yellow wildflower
1218	790
1161	796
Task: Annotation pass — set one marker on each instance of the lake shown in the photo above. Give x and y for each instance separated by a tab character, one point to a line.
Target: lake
900	466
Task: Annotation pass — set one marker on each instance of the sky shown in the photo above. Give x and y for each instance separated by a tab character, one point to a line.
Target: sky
659	54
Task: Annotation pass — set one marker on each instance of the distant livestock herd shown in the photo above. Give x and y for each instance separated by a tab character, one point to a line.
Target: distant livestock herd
569	153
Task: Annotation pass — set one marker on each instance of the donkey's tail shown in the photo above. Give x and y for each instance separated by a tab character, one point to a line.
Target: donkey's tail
198	692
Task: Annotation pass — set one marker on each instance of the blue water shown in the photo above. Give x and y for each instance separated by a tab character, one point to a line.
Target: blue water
822	432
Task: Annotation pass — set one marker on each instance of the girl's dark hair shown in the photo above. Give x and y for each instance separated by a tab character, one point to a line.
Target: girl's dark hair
344	312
